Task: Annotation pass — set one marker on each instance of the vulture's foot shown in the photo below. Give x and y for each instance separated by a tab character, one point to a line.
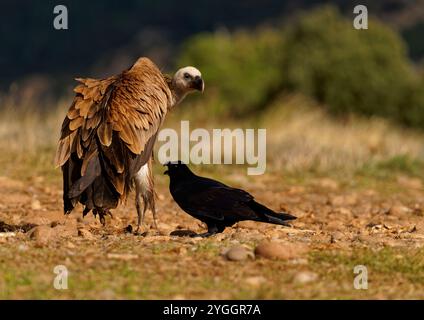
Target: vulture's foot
102	214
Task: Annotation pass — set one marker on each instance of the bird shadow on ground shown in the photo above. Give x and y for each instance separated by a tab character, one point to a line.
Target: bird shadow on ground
4	227
183	233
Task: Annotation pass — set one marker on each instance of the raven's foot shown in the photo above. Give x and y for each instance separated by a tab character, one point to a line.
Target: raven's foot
203	235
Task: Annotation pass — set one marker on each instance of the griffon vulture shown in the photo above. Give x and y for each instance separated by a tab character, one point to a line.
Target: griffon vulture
107	136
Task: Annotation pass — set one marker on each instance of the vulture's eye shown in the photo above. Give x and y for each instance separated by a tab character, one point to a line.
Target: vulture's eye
187	76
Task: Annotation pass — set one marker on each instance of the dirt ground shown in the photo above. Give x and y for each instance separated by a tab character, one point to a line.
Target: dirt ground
341	224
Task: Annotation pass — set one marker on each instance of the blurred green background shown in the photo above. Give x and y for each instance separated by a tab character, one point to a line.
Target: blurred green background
248	51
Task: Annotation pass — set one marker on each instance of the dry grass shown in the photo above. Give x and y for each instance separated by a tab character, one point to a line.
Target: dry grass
303	137
300	136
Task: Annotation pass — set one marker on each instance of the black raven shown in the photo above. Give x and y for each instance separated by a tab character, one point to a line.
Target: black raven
214	203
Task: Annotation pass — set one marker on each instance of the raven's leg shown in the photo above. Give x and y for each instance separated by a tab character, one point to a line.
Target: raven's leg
203	235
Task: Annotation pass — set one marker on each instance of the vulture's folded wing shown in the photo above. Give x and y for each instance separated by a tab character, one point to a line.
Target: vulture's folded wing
115	119
217	202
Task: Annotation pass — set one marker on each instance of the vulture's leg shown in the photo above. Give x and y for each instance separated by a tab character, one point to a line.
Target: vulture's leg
102	214
145	192
153	208
140	212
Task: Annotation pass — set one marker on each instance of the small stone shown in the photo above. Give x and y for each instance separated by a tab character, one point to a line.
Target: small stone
54	224
70	245
128	229
22	247
399	210
255	281
238	253
334	225
36	205
305	277
279	251
327	183
86	234
7	234
409	182
336	236
299	261
41	235
122	256
161	197
107	294
337	201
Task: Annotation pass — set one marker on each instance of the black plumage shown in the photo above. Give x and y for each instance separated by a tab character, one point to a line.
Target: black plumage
214	203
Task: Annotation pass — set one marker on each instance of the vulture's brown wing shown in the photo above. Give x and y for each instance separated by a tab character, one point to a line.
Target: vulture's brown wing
114	120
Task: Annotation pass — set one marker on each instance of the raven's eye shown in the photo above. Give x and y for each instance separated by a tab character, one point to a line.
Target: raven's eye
187	76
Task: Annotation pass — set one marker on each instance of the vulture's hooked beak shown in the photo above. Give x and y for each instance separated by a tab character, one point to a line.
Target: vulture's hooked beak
198	84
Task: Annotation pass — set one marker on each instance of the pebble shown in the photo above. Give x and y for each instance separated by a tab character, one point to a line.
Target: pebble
122	256
86	234
36	205
22	247
279	251
255	281
399	210
305	277
41	235
238	253
128	229
54	224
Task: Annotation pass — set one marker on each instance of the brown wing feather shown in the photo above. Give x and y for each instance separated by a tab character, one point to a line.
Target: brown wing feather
115	119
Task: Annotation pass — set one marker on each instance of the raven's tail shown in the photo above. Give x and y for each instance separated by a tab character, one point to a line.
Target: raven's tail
267	215
280	218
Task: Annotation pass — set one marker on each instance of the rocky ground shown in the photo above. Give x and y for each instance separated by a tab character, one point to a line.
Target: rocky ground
341	224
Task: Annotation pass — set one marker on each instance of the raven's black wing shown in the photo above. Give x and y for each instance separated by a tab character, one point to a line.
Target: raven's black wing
220	202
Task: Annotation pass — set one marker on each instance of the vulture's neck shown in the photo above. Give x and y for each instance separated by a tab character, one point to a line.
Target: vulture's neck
178	95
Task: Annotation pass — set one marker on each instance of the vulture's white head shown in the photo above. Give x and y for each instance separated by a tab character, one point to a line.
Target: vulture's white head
188	79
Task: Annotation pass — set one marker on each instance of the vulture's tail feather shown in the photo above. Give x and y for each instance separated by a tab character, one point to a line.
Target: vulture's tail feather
93	171
93	190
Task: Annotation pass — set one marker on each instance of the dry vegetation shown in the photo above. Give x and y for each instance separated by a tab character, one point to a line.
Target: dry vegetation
356	186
